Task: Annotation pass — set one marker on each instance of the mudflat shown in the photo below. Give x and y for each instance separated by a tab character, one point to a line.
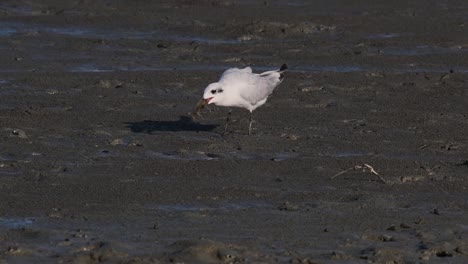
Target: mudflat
360	155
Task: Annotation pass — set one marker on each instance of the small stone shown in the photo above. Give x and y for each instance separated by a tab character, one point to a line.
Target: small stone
227	255
233	59
110	84
386	238
286	206
52	91
104	83
14	250
18	133
405	179
311	89
56	215
64	243
245	38
117	141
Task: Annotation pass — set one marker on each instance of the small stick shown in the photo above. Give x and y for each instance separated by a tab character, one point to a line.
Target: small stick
362	167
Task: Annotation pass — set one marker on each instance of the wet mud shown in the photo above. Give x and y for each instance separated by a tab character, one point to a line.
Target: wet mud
101	160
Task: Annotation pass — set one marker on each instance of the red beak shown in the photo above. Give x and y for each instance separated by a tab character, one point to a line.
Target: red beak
207	100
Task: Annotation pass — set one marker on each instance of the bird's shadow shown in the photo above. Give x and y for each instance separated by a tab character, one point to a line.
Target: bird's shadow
184	123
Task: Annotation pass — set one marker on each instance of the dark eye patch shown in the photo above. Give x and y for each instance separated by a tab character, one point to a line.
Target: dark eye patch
220	90
213	91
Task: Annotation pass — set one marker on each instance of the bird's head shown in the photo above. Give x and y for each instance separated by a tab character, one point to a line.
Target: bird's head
213	93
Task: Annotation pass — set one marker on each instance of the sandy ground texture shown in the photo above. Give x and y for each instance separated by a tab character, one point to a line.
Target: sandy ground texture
100	161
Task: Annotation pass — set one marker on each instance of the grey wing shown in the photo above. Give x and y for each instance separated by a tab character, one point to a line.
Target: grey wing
232	72
257	88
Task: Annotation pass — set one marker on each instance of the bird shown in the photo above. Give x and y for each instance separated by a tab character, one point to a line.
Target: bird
241	88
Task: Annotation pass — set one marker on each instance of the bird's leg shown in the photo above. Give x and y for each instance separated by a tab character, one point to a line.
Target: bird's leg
250	122
228	118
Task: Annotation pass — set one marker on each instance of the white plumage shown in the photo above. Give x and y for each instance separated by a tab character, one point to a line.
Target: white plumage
242	88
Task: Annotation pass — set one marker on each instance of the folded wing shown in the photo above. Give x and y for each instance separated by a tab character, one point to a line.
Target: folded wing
252	87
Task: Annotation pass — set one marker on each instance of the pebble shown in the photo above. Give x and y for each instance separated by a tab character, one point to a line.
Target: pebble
18	133
52	91
286	206
110	84
117	141
386	238
311	89
405	179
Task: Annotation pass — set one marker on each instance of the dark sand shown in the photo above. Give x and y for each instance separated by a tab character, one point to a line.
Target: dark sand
99	160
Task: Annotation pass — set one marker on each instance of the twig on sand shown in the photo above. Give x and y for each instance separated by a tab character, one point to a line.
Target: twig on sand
364	167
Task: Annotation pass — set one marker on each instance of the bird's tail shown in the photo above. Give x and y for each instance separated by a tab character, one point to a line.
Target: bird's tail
283	68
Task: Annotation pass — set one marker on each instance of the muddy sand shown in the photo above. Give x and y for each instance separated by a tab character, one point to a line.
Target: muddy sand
100	161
